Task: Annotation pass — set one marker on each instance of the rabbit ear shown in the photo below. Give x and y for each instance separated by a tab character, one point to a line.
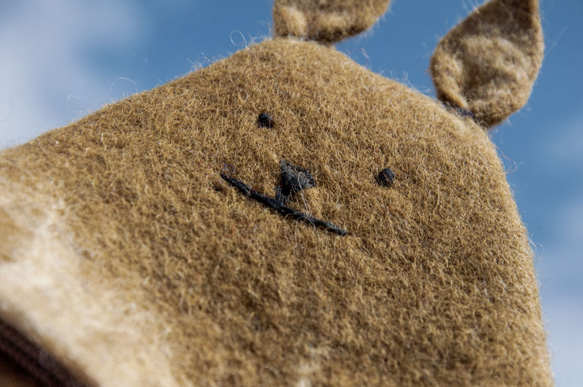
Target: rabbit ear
326	21
489	62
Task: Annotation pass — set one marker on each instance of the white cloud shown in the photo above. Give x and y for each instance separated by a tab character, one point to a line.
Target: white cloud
564	317
559	266
44	45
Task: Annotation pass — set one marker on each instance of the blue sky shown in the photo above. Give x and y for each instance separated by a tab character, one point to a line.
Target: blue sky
63	59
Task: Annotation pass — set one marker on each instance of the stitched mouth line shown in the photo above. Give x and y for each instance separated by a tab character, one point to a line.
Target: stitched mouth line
281	208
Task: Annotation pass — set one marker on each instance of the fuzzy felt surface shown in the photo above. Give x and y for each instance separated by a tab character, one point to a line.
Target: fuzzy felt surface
96	328
325	21
489	62
433	284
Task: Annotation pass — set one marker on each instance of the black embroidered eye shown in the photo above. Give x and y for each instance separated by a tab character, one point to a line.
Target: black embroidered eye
265	121
386	177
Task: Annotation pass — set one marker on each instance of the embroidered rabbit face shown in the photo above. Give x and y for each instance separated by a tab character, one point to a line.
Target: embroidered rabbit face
285	216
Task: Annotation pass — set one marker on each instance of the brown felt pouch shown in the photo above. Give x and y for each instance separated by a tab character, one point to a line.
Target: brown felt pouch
153	243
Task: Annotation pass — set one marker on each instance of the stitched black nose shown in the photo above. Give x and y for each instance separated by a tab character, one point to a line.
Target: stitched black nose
293	180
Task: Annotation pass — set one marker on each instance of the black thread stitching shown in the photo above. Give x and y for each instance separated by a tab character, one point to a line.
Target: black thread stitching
280	207
463	112
293	180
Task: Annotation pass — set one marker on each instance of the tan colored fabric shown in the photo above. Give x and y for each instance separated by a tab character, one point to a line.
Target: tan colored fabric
434	285
64	303
489	62
326	21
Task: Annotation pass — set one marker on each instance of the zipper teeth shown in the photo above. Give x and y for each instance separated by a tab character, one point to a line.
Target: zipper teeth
40	365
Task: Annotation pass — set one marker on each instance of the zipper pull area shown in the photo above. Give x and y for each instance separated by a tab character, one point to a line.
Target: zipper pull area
35	364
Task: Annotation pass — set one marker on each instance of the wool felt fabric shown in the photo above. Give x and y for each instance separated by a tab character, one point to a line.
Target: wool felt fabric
324	20
489	62
128	258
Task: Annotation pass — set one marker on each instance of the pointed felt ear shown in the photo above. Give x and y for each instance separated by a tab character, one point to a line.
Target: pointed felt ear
326	21
489	62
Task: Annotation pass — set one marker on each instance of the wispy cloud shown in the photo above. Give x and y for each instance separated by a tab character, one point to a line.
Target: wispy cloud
565	338
47	76
560	265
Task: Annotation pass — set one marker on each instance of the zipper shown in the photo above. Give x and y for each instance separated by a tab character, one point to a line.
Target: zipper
37	363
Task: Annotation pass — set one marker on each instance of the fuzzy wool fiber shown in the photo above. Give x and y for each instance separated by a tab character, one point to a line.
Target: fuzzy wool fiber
489	62
434	283
325	21
128	255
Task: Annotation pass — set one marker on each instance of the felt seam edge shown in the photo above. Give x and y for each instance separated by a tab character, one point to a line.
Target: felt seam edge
88	326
